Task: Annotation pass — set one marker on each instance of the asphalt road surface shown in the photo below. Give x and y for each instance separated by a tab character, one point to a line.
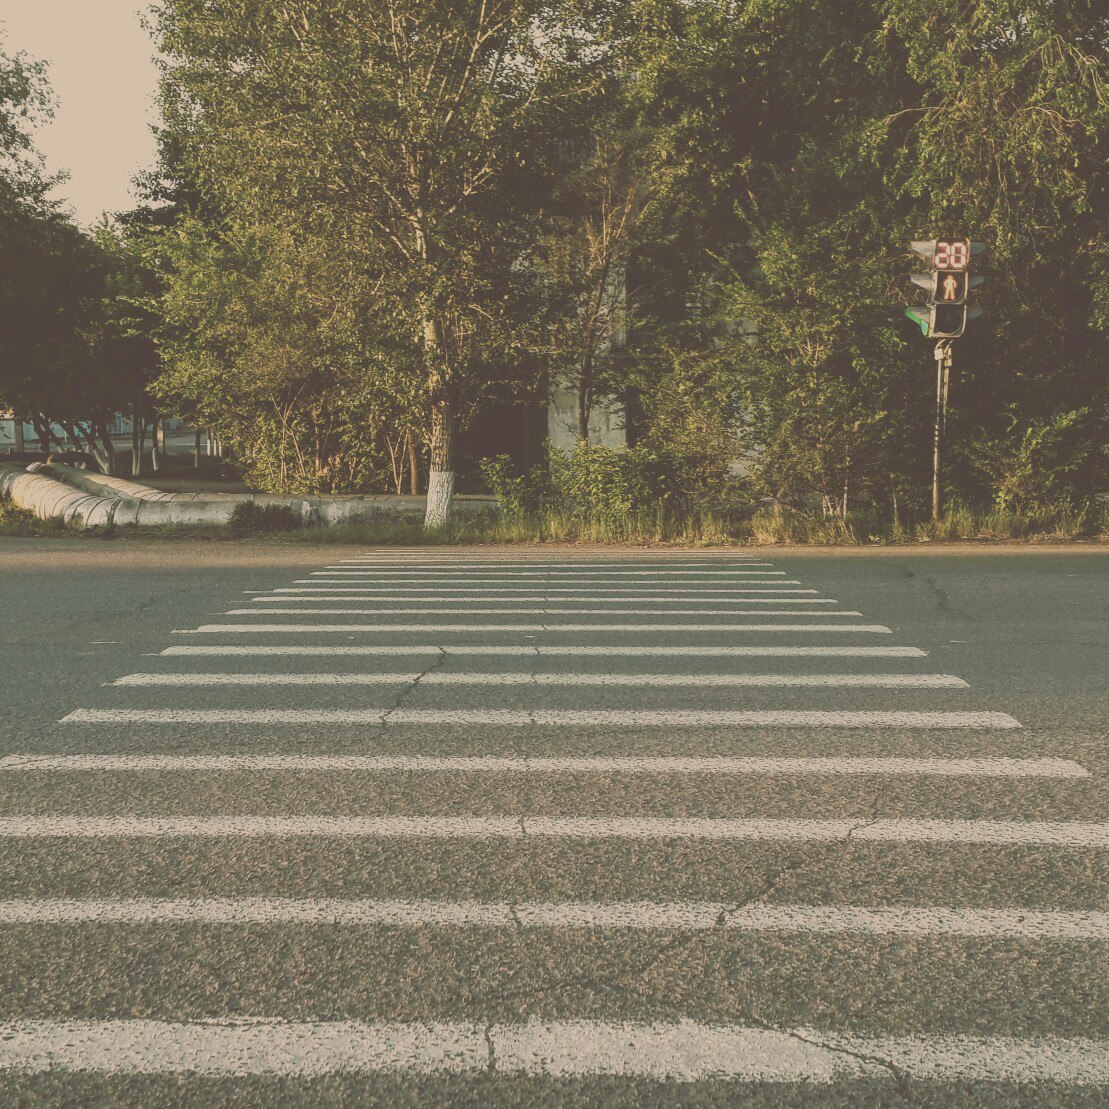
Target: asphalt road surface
283	825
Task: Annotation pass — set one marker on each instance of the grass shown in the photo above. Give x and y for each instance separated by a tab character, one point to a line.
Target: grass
766	527
22	523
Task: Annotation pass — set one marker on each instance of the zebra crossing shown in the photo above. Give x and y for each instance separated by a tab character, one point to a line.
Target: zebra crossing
677	820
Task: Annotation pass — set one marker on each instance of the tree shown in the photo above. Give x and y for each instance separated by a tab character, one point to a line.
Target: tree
810	143
272	340
413	125
69	328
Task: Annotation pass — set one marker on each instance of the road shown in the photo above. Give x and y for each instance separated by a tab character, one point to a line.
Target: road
285	825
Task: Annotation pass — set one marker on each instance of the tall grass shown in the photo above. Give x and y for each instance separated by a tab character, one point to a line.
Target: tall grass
765	527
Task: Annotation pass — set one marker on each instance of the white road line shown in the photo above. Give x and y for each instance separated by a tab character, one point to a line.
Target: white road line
532	564
253	629
533	587
992	767
535	610
336	597
615	718
917	920
582	650
361	677
682	1051
983	832
388	593
571	569
590	576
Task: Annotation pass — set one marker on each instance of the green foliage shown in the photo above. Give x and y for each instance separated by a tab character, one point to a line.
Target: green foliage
253	518
275	340
76	310
23	523
385	214
401	144
1040	462
613	488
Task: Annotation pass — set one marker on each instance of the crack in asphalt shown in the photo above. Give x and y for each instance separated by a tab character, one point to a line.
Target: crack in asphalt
407	690
491	1052
900	1077
942	597
136	611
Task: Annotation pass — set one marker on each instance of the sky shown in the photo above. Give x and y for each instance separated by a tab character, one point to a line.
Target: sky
103	76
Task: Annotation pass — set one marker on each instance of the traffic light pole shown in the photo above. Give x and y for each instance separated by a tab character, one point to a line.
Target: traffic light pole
943	378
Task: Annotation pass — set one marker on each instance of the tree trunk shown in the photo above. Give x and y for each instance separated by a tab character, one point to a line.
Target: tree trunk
90	431
440	478
413	465
585	400
138	438
196	449
106	455
155	454
17	429
43	434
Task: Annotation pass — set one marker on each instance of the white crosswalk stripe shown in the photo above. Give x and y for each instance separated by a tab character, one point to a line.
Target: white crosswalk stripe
641	915
533	612
562	718
387	593
347	582
992	767
994	832
549	650
683	1051
567	576
872	681
775	600
627	628
407	754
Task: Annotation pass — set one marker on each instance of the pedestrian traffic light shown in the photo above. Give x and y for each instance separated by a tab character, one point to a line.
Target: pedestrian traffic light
945	318
947	285
942	321
948	321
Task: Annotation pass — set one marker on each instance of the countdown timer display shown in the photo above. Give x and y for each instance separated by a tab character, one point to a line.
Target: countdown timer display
952	255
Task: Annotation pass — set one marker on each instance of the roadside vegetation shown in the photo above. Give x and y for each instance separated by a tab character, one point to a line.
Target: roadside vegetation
382	237
761	527
19	522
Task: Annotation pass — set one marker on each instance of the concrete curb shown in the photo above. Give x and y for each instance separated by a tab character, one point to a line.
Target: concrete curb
56	492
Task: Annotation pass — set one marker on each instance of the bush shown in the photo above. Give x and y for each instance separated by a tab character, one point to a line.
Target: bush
1041	463
620	489
253	518
524	496
22	522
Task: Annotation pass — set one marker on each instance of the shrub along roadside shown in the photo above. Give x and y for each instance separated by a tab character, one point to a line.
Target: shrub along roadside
765	527
22	522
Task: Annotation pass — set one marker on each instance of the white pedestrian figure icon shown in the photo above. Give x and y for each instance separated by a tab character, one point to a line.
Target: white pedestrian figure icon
950	287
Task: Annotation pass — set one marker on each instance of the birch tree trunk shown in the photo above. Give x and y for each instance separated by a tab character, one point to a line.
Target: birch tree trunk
42	432
440	478
108	450
138	438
